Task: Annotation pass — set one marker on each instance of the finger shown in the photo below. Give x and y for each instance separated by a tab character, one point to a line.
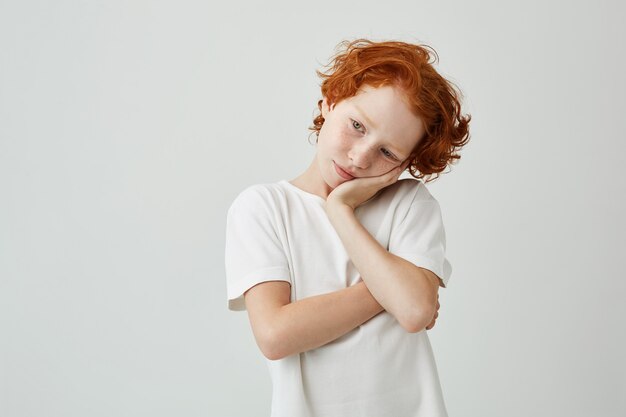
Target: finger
390	176
395	173
402	168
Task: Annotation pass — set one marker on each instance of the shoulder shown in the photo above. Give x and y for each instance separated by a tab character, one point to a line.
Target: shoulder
409	195
258	194
409	190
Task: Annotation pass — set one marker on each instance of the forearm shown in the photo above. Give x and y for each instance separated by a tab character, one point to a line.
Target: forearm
314	321
402	288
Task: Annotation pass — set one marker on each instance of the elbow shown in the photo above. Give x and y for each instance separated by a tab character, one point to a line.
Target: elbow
413	326
416	322
272	355
271	346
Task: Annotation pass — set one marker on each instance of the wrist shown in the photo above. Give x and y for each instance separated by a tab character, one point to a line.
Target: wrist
369	298
334	208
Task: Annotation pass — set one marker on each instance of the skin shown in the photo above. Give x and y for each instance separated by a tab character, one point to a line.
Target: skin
371	135
363	149
388	283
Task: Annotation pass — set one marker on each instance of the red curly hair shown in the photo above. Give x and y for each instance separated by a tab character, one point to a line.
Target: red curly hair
430	96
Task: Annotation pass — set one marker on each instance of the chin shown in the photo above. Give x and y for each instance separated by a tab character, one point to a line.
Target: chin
334	183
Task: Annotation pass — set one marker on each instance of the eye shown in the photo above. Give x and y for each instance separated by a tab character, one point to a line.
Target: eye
356	125
389	154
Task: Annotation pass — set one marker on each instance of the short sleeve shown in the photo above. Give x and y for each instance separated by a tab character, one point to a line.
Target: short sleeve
253	250
420	236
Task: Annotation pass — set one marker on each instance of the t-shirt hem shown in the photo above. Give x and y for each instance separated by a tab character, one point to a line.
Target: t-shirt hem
442	271
236	300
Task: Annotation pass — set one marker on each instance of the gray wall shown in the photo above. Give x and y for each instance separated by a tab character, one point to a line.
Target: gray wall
127	128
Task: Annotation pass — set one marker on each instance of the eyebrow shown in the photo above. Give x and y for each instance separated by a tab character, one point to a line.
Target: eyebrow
369	122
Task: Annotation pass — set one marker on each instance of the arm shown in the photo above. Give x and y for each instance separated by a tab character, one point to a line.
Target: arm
432	322
405	290
282	328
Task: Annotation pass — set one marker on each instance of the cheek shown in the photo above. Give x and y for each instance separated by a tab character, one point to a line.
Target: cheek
344	141
381	164
345	137
337	138
382	167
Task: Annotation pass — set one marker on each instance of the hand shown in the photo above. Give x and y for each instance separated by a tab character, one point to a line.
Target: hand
356	191
432	323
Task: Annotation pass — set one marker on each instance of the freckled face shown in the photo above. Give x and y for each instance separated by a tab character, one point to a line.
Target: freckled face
367	135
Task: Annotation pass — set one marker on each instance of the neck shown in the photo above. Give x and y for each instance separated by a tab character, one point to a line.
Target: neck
312	182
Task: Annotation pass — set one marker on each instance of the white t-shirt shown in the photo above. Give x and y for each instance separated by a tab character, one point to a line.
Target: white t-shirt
279	232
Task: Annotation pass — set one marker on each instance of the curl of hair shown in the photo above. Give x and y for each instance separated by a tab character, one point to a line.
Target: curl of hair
429	95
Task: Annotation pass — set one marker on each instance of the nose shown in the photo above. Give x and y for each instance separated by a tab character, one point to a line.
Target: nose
360	154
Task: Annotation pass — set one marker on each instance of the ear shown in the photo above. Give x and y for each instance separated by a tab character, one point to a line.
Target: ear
325	107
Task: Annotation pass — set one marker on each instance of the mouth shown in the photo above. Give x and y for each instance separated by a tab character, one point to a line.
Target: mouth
342	173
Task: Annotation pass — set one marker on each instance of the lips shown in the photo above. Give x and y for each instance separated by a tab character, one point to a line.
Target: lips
342	173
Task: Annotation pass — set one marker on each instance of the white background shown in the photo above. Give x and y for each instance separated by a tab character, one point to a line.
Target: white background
128	127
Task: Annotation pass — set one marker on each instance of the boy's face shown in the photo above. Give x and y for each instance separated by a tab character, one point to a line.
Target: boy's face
367	135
